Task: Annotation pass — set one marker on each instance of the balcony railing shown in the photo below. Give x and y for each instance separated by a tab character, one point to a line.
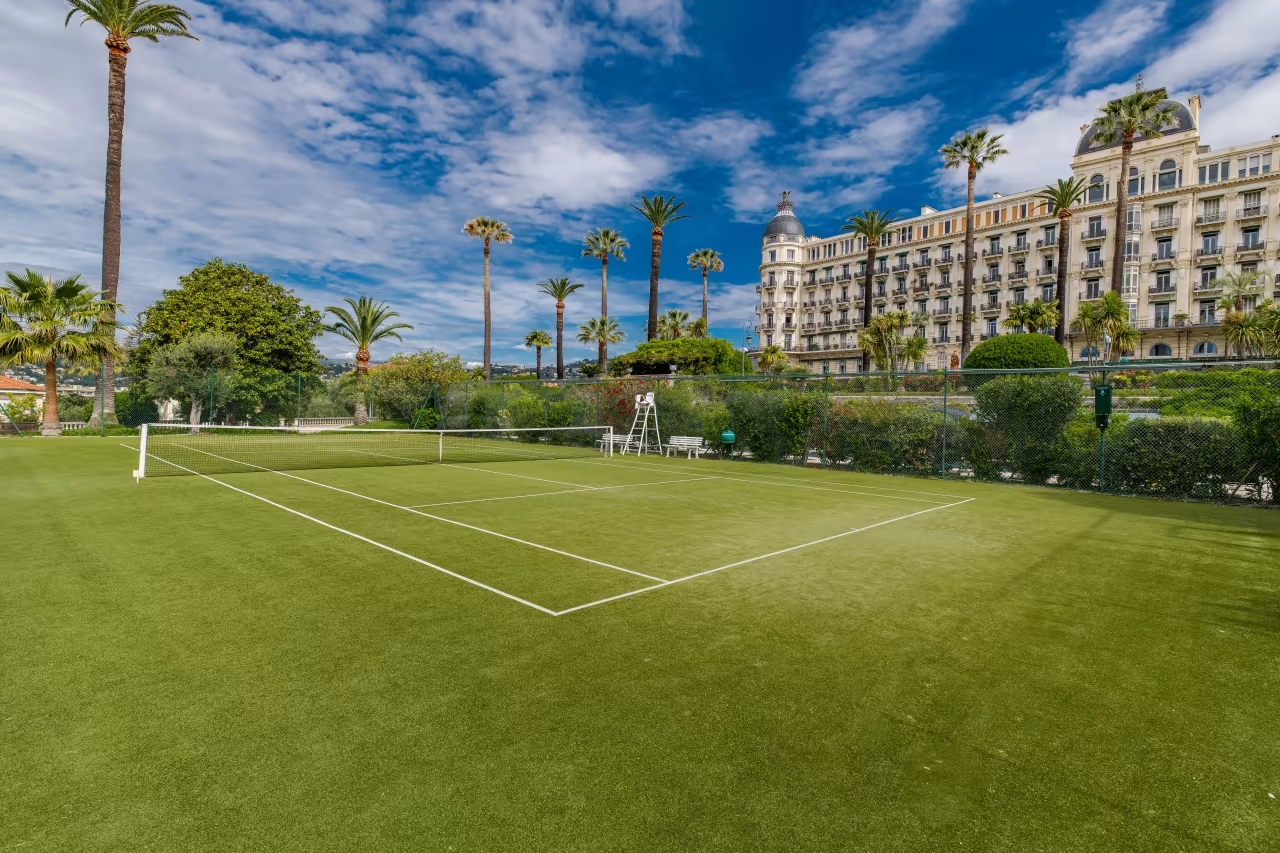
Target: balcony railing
920	288
1093	234
1164	257
1047	244
1209	252
1164	224
988	307
844	276
1085	297
1019	248
991	278
992	253
1047	274
1255	246
811	304
827	301
925	264
1156	289
1211	218
942	339
943	285
941	312
1092	265
1251	212
1017	275
1013	302
902	267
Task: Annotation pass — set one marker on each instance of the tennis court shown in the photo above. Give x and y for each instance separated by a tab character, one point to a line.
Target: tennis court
545	520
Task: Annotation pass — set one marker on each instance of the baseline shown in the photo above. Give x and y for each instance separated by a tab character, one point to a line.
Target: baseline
738	563
559	492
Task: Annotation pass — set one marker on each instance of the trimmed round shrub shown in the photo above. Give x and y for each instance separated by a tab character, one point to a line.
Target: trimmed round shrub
1017	352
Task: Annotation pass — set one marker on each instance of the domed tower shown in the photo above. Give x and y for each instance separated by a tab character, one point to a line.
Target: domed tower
781	260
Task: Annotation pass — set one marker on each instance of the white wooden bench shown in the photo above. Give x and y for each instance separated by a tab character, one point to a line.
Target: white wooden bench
621	443
690	445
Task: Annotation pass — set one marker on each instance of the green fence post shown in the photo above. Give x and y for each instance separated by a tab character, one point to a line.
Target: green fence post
12	422
1102	461
299	422
213	373
945	382
826	409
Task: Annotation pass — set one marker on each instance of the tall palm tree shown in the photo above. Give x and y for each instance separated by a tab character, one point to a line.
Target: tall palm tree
973	150
603	243
772	359
709	261
491	231
559	289
43	322
1120	121
1107	316
673	324
872	225
599	329
124	20
698	328
1063	196
364	325
538	339
661	212
1237	288
1033	316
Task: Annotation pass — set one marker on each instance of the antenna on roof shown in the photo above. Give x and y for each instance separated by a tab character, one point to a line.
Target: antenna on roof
1139	83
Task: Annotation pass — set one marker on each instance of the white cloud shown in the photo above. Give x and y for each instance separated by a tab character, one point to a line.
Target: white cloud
1110	34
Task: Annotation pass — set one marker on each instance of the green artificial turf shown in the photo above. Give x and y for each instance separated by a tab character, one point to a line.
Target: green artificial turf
185	667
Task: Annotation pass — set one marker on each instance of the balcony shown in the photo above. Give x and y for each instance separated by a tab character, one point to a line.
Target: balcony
1093	234
1047	244
900	290
989	308
1209	253
1168	290
1161	260
946	260
1251	212
827	301
945	311
810	304
1211	218
942	339
1020	248
943	285
1047	274
1158	323
902	267
1018	275
1015	302
827	280
1256	247
922	265
1085	297
993	253
1165	224
992	278
1206	288
988	336
920	288
809	327
1092	265
844	276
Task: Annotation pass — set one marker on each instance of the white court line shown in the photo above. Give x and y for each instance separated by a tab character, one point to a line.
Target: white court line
643	466
453	465
434	517
372	542
560	492
755	559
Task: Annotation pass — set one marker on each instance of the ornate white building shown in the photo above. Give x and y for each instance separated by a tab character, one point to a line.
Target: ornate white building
1195	214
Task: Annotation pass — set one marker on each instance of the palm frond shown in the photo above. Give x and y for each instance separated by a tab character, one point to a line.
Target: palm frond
130	19
661	211
558	288
365	323
487	228
603	243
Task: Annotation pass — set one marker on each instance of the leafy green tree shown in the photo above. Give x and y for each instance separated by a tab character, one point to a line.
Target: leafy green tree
889	347
872	225
1063	196
1140	112
673	324
561	289
600	330
698	328
660	211
603	243
364	325
538	339
692	357
44	322
1033	316
198	369
406	381
275	333
124	20
1246	332
1237	289
709	261
971	151
772	359
491	231
1108	316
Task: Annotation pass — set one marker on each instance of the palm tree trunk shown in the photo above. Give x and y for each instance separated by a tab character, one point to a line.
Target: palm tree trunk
559	340
966	304
51	426
1064	249
362	370
1122	202
704	295
116	60
602	355
872	248
655	260
537	371
488	319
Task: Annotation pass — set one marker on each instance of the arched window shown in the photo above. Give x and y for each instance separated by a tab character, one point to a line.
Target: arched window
1167	177
1206	348
1160	351
1097	190
1089	352
1133	180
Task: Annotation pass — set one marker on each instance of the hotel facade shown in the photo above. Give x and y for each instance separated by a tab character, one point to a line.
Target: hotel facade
1194	215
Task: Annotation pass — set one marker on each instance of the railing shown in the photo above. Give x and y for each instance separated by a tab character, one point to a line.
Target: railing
811	304
991	278
323	423
1047	244
1162	288
1251	212
844	276
1017	275
1164	224
925	264
1047	274
1084	297
1014	302
941	312
988	336
1256	246
920	288
1092	265
1093	234
1207	286
827	300
992	253
1020	248
989	306
942	339
943	285
1209	252
827	280
902	267
1210	218
1163	257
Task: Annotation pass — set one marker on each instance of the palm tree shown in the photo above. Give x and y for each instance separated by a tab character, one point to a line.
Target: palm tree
661	212
1033	316
673	324
124	20
1269	313
1237	288
1120	121
707	260
491	231
601	243
871	225
1063	196
889	346
599	330
1107	316
1246	332
972	150
698	328
538	339
772	358
364	325
43	321
559	289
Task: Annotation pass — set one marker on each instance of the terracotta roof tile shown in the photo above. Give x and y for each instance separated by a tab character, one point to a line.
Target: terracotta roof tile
8	383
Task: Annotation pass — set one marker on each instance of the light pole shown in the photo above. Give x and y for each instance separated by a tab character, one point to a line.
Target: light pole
746	345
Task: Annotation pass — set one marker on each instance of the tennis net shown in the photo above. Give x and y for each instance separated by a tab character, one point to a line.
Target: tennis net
168	450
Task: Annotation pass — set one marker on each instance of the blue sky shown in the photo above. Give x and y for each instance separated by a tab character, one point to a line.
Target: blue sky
340	146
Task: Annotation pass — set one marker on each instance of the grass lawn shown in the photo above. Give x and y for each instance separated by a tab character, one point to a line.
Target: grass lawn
185	666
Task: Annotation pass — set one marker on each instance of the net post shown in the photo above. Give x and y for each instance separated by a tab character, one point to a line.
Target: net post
608	440
142	454
441	456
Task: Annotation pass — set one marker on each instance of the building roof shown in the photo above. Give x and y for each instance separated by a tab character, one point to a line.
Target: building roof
8	383
784	221
1182	120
